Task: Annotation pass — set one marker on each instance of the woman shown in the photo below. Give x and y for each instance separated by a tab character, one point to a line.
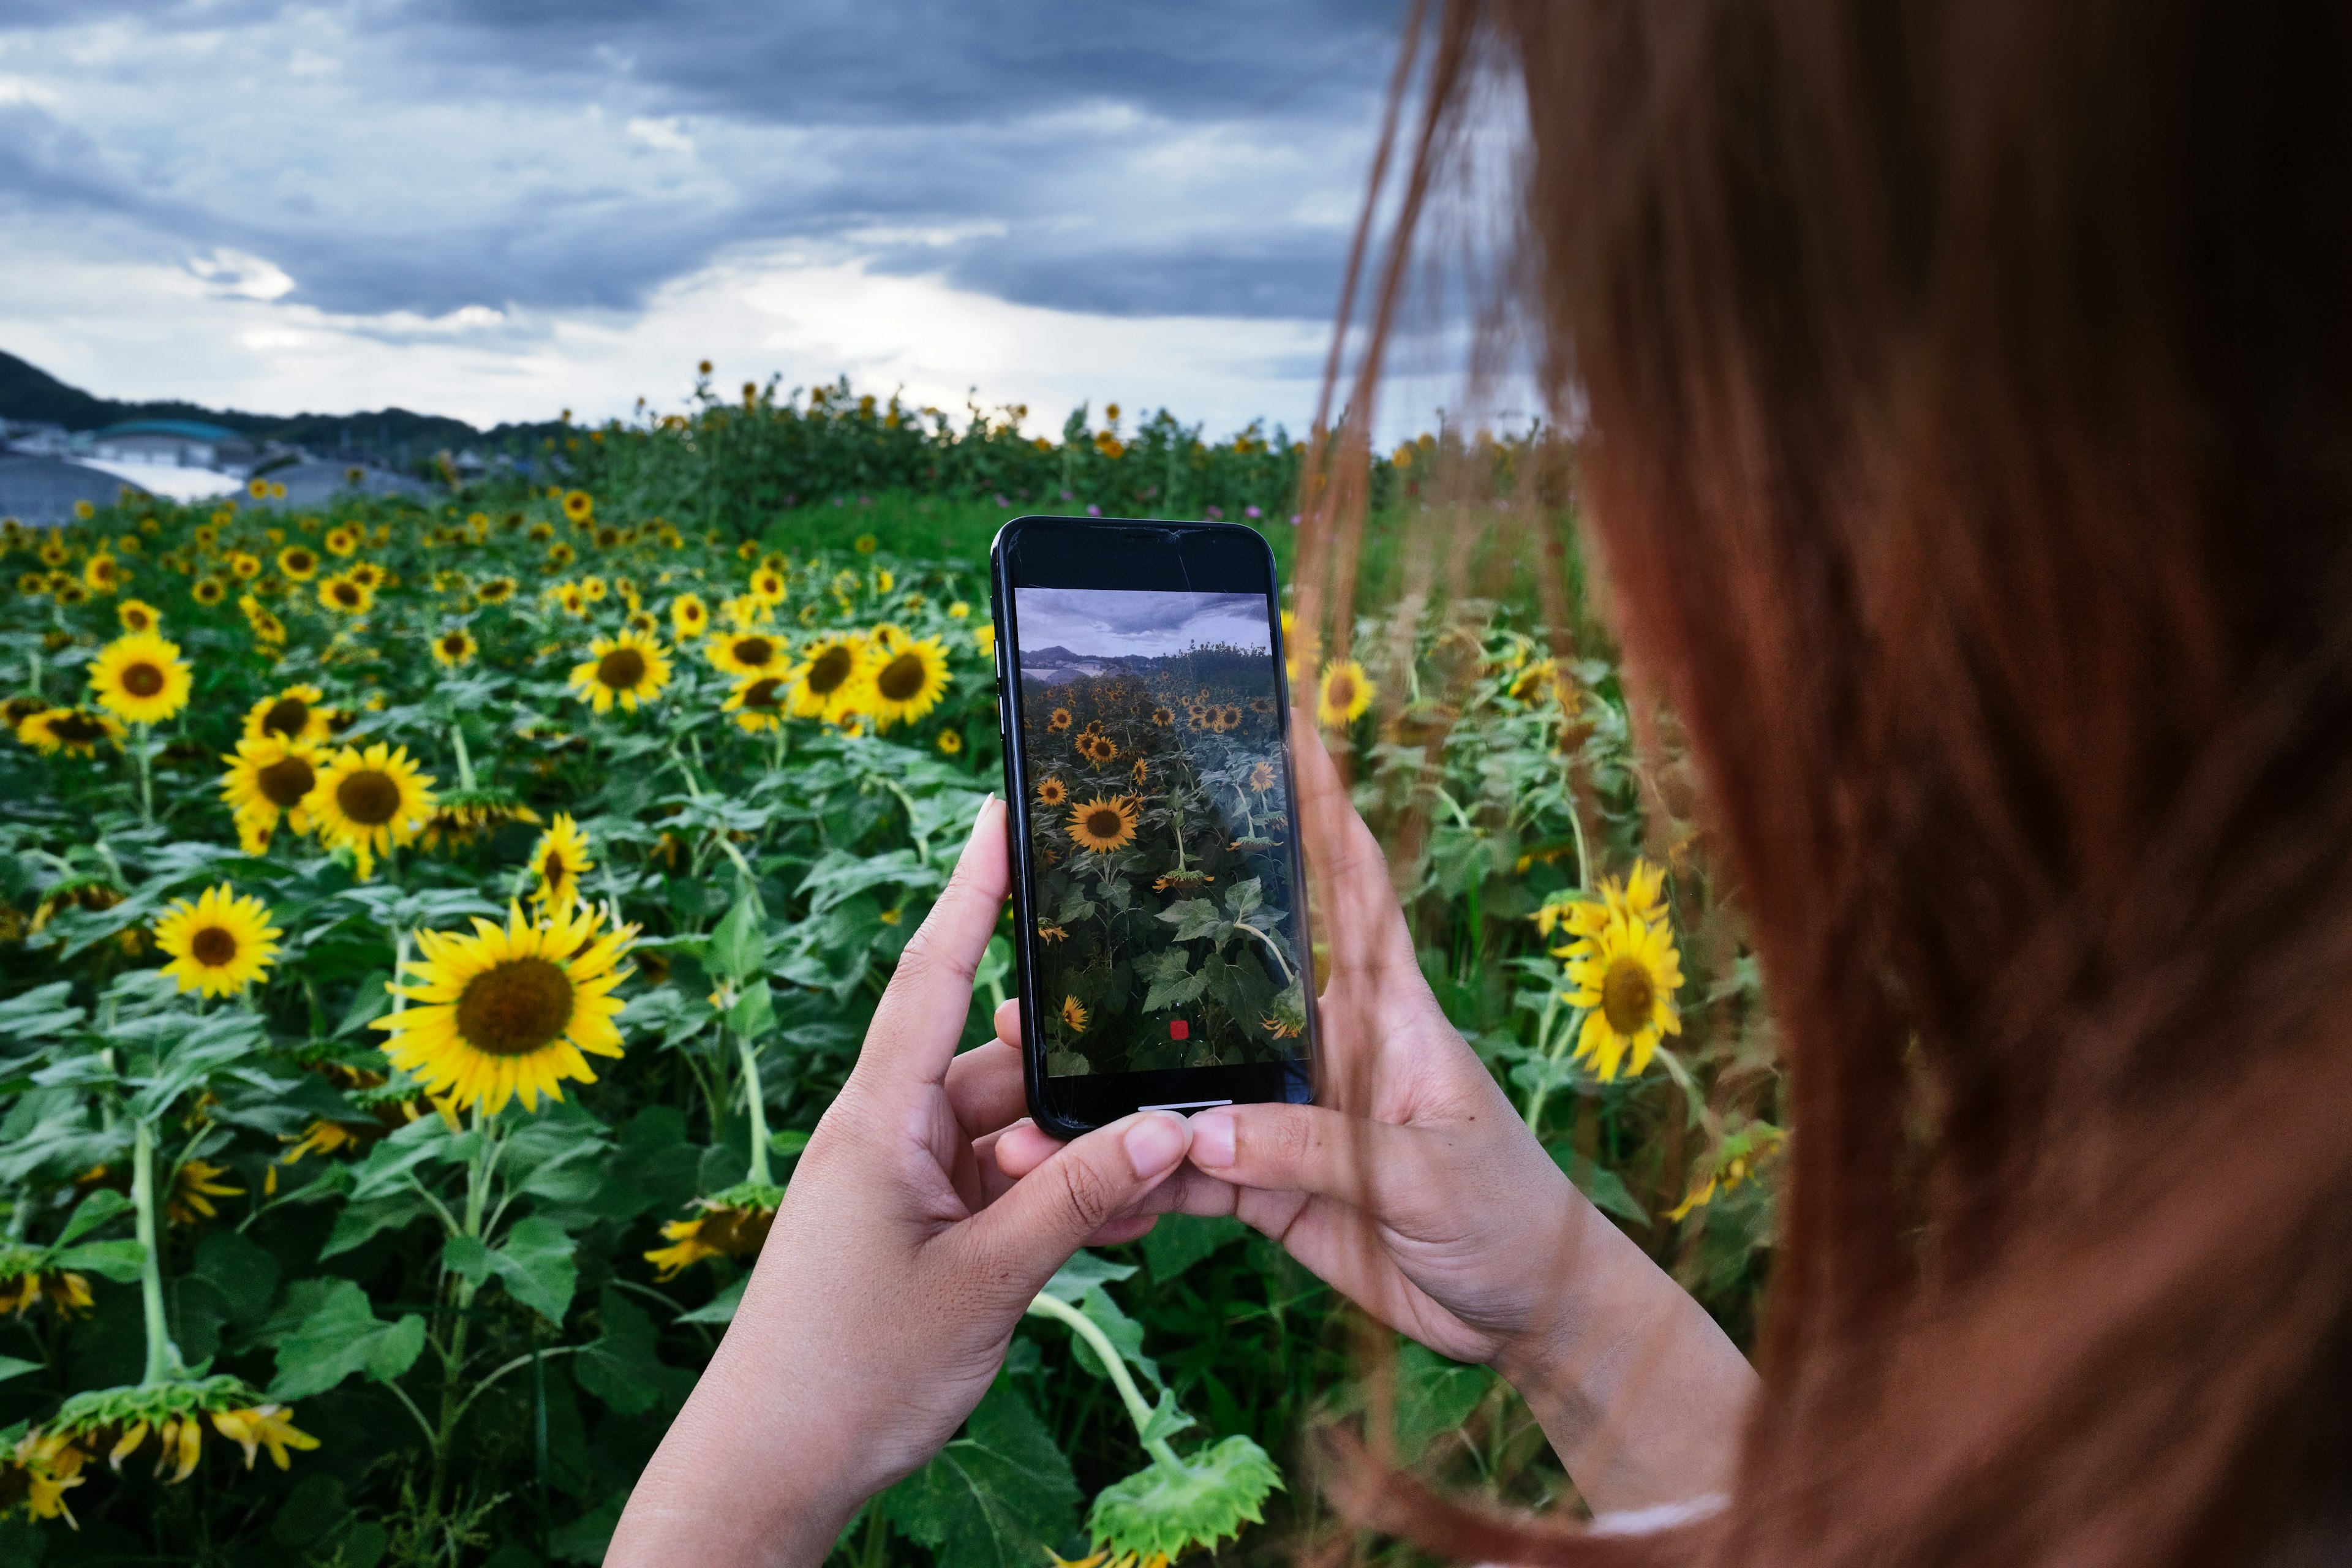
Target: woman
1967	402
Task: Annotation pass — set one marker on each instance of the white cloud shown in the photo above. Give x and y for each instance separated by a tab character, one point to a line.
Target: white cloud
246	277
668	135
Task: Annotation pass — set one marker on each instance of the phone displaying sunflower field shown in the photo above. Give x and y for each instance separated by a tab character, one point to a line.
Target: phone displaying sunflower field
1167	927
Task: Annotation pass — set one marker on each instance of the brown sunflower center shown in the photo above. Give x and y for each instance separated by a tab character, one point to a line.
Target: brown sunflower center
1104	823
901	677
141	680
1343	690
554	870
369	798
763	693
286	781
754	650
514	1008
347	592
137	620
829	669
77	729
622	668
288	716
454	644
1627	995
211	947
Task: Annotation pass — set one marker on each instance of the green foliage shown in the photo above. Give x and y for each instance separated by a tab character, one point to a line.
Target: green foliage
995	1496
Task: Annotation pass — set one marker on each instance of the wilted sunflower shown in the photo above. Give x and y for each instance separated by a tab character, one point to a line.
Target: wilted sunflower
1626	972
561	858
758	703
455	649
346	595
824	684
1058	719
1052	934
76	730
1051	793
628	669
138	616
140	679
495	590
370	802
28	1277
689	617
732	1224
219	944
299	562
268	779
908	681
747	651
508	1011
296	713
463	816
193	1186
1075	1017
1103	824
1346	693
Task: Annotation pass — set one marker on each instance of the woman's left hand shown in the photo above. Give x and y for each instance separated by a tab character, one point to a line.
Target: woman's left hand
887	1294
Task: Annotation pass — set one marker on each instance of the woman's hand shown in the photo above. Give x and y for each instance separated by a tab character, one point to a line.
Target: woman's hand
1416	1188
888	1291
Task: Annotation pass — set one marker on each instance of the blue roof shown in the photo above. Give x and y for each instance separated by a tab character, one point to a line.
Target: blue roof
186	429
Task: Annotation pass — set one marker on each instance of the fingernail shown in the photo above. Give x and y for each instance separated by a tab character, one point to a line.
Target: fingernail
1155	1143
1213	1139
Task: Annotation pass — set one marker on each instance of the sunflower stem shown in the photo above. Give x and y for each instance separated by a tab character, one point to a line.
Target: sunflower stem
1087	1329
464	759
143	743
162	1358
1542	1090
755	1102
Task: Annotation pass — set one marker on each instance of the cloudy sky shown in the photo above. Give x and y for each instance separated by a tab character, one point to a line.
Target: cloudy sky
1102	623
496	209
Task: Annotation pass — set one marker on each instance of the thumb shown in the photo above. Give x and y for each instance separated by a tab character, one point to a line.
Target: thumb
1016	1243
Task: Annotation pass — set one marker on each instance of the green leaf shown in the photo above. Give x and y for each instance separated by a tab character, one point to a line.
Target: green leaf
1082	1272
754	1012
115	1260
93	1211
719	1308
536	1264
369	1003
739	948
1167	1510
787	1142
1180	1240
620	1367
1192	918
1124	1332
843	873
10	1366
998	1497
244	1273
1434	1397
467	1258
342	1336
360	1223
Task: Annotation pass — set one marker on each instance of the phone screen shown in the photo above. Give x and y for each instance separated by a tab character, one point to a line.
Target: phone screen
1161	871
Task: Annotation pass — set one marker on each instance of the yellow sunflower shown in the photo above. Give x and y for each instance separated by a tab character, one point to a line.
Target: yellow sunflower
1103	824
825	684
907	682
985	637
951	743
75	730
508	1011
1075	1017
758	702
342	542
294	714
269	778
101	573
561	858
370	802
1626	972
219	944
745	613
193	1187
747	651
593	589
579	506
629	668
572	601
1058	719
1346	693
689	616
346	595
299	562
455	649
138	616
768	585
140	679
1051	793
495	590
209	591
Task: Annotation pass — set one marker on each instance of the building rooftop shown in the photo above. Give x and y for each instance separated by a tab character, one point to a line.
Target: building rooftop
184	429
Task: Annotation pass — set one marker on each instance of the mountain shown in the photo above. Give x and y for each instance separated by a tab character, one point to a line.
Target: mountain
395	435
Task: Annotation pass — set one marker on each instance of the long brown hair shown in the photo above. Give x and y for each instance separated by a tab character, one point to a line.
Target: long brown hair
1964	398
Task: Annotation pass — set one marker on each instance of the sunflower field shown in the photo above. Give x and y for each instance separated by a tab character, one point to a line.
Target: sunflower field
429	931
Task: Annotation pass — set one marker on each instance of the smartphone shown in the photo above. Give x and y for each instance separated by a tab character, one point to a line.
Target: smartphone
1159	896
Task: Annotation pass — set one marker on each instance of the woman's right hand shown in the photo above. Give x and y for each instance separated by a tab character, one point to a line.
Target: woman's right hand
1416	1188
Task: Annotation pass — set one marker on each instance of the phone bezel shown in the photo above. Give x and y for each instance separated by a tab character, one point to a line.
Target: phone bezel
1071	1105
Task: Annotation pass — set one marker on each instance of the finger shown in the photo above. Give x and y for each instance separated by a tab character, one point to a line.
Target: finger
1024	1147
985	1089
1008	1021
1307	1149
1358	907
1013	1246
920	1017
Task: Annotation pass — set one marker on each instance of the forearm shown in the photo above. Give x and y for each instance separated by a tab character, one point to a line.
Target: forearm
1644	1399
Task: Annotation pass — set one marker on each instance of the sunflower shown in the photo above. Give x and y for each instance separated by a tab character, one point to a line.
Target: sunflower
346	595
299	562
1626	972
768	585
54	554
985	639
193	1187
32	584
1346	693
74	730
1162	716
758	702
732	1224
629	668
579	506
1103	824
140	679
689	616
463	816
593	589
747	651
209	591
1140	772
455	649
1229	717
508	1011
1075	1017
370	802
561	858
825	683
26	1279
1052	934
495	590
908	680
951	741
1051	793
1058	719
294	714
1261	777
745	613
368	574
269	778
219	944
102	574
138	616
570	600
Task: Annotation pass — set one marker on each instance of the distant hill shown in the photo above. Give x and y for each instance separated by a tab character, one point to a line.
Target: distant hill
389	435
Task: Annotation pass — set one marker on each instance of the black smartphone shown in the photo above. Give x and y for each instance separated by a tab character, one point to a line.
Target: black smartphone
1159	895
